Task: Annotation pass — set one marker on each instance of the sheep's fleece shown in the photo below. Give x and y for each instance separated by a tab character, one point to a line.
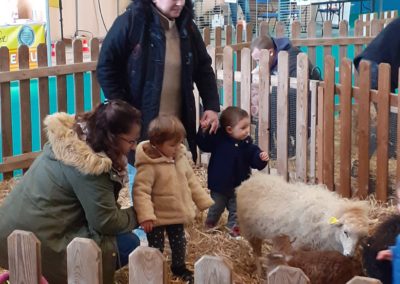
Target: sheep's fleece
315	217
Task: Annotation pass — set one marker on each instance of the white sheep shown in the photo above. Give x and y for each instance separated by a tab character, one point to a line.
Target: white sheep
268	206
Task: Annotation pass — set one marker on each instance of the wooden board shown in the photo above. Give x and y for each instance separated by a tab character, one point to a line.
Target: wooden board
146	265
211	270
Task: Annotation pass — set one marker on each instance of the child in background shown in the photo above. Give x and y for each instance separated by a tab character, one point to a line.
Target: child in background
233	154
165	189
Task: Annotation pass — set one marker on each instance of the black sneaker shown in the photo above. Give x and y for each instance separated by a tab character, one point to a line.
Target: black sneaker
183	273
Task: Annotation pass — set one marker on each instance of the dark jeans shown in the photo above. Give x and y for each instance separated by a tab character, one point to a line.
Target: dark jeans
177	242
126	244
220	203
244	4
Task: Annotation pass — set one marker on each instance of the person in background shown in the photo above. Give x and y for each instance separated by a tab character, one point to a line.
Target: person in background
233	155
71	190
274	46
166	190
151	57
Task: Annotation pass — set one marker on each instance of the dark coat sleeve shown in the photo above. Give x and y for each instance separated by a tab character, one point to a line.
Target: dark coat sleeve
114	53
203	74
256	162
205	141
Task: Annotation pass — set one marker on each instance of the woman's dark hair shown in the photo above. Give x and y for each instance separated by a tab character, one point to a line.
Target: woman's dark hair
104	124
231	116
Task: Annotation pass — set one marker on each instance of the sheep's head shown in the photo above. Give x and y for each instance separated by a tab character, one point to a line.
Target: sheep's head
350	227
282	244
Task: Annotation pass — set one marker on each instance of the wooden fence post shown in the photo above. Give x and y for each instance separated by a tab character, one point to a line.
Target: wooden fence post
94	56
212	270
286	274
282	114
61	79
43	92
84	262
228	76
245	81
78	77
147	266
364	107
382	132
24	257
302	117
363	280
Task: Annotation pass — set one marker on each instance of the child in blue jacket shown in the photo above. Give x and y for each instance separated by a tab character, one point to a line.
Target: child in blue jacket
233	154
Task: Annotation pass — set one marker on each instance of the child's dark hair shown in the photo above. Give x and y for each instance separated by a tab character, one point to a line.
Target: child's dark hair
231	116
164	128
103	126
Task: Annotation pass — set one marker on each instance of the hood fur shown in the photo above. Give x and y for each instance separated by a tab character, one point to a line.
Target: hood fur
71	150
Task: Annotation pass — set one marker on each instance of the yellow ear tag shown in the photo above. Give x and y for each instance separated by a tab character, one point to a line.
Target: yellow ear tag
333	220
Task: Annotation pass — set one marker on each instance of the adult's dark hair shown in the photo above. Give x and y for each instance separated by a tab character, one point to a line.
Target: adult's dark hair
231	116
262	42
104	124
146	4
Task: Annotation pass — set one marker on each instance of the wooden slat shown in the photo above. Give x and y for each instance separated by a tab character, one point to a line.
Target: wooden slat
61	79
363	129
6	128
47	71
296	29
302	117
228	76
146	265
328	40
212	269
211	53
206	36
84	262
218	36
264	28
311	33
25	101
282	114
245	85
78	77
249	32
313	138
363	280
343	32
24	257
345	127
23	161
280	29
239	39
327	32
43	91
328	148
228	35
263	102
376	27
382	132
94	55
286	274
320	135
358	30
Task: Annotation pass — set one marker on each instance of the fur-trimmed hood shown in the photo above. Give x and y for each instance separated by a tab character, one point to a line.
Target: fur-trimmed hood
68	148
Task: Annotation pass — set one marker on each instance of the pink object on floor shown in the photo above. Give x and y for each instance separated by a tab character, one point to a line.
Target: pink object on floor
6	276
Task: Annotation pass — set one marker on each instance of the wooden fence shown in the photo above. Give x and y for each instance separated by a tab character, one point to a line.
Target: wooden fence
146	265
329	152
11	159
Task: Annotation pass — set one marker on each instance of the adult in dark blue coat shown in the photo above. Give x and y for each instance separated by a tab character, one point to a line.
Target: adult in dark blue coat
233	155
150	58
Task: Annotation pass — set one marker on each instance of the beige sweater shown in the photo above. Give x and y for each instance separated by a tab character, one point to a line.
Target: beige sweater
171	98
165	191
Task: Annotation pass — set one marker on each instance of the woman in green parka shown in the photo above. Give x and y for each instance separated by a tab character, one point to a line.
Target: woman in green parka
71	190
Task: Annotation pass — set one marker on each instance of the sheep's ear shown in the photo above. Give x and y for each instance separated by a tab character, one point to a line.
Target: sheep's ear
335	221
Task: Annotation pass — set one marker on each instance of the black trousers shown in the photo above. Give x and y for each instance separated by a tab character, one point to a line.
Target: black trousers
177	242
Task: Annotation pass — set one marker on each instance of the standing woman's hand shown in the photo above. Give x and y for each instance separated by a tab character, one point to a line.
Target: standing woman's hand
210	120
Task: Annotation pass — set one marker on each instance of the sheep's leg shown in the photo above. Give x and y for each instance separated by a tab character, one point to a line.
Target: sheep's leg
256	244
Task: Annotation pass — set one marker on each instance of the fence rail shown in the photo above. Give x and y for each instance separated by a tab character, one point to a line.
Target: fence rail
146	265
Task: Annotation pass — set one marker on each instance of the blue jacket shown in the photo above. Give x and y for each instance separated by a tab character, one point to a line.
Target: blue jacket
231	160
131	65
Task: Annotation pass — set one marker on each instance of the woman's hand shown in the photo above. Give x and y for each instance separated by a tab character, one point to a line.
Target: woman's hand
147	226
209	120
